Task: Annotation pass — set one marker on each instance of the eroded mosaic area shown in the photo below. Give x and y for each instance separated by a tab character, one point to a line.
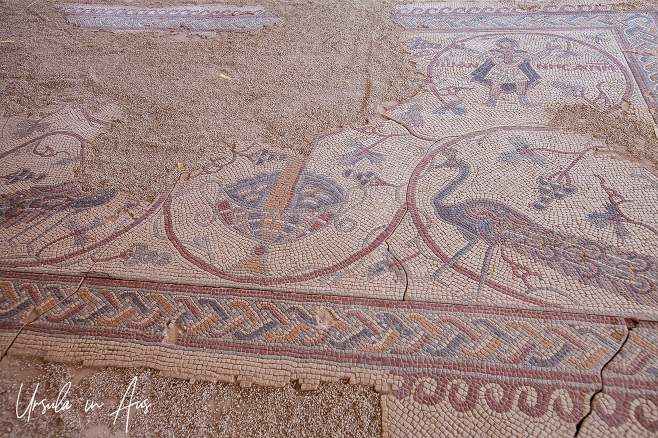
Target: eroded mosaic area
201	19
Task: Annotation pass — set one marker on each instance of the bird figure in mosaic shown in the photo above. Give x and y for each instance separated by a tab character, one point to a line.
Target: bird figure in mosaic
626	273
41	202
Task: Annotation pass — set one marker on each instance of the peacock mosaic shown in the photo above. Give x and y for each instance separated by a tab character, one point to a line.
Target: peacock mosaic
479	266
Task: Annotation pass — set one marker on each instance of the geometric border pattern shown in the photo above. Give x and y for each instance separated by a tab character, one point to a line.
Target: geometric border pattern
434	351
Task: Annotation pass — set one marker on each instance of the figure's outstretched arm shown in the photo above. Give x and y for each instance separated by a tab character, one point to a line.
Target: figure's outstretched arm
544	53
473	53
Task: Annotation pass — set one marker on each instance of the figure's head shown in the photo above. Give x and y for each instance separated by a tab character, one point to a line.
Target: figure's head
507	43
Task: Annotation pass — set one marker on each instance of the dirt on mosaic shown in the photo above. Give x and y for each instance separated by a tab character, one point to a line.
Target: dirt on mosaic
188	99
628	138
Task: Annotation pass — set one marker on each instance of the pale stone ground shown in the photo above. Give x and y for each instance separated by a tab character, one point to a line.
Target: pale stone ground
179	408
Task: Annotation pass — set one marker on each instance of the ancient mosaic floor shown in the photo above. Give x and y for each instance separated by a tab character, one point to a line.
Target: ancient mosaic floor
489	273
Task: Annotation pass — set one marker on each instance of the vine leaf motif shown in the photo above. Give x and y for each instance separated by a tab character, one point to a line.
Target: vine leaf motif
413	117
79	233
610	217
139	254
29	127
359	152
522	151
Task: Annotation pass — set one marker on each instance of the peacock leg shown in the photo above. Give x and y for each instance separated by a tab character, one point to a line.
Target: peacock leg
485	270
471	242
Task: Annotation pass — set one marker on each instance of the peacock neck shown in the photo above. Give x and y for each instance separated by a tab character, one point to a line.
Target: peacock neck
464	172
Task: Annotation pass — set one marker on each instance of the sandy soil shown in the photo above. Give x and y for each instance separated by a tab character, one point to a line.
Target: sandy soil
179	408
329	65
627	137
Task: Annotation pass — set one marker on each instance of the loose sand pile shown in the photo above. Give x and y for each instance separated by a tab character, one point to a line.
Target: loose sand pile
180	408
327	66
626	136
